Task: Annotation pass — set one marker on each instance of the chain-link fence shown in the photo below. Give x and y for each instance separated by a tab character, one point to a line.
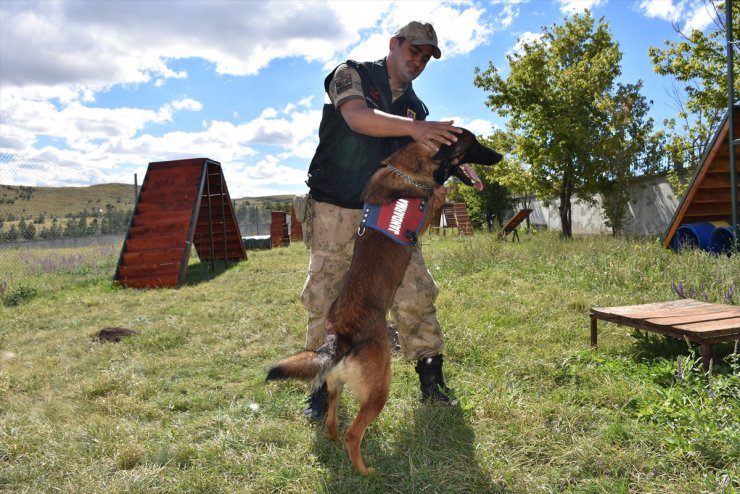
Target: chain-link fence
52	226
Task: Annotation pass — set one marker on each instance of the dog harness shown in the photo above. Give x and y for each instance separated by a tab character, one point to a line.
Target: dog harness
401	220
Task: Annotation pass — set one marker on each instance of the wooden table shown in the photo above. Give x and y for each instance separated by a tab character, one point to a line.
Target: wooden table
698	322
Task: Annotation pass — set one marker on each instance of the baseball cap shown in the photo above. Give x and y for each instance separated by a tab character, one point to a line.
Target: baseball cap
420	33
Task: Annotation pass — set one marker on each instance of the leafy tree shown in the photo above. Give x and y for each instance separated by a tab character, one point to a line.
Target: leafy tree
12	234
554	97
53	232
27	231
629	147
698	63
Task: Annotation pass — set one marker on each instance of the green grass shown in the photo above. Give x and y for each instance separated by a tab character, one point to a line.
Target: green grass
182	407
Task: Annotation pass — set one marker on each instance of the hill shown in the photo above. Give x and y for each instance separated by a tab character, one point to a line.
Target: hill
26	202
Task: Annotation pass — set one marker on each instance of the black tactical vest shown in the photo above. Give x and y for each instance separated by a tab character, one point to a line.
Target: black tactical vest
345	160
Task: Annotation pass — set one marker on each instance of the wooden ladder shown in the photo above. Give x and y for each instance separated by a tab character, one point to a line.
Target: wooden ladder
464	226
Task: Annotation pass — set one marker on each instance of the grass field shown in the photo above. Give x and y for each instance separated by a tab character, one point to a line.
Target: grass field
182	407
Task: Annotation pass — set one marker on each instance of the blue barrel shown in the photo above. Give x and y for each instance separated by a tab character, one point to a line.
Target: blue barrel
695	235
720	241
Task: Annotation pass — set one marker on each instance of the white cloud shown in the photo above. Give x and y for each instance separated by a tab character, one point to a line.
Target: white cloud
460	27
699	18
689	14
477	126
523	39
507	16
661	9
578	6
60	57
102	145
265	177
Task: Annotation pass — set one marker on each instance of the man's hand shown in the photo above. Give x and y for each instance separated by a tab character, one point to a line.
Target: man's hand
434	134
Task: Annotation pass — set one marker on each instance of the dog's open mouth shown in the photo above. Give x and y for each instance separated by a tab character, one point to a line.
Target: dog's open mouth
467	175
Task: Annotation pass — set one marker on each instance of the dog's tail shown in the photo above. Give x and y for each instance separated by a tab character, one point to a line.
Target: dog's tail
307	365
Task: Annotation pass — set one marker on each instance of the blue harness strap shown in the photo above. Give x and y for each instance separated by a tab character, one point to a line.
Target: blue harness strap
401	220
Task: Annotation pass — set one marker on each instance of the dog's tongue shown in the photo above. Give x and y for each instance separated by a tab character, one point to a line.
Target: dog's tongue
473	176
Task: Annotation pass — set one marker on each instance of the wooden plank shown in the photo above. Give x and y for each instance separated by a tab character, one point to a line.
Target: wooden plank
698	312
520	216
702	208
156	282
168	196
155	243
706	218
695	317
148	271
162	218
144	258
658	307
165	207
170	228
722	327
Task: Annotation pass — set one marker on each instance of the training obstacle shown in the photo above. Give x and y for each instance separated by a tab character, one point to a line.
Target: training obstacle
710	194
182	204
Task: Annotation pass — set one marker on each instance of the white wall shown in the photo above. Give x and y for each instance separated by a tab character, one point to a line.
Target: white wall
649	212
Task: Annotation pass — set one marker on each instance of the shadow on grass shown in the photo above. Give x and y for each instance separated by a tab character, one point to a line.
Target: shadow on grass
434	452
204	271
651	347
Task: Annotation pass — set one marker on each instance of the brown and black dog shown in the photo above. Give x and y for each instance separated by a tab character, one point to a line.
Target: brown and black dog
356	351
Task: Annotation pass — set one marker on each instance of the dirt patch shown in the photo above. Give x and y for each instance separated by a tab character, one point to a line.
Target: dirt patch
113	335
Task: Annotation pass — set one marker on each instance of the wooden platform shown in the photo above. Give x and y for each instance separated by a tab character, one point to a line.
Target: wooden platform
698	322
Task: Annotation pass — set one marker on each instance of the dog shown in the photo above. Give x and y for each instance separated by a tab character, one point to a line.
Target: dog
356	351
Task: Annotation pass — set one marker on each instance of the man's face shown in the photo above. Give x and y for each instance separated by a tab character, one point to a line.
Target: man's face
407	60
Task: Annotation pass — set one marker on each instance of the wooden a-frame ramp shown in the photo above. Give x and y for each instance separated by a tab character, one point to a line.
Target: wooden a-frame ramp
182	203
709	196
456	216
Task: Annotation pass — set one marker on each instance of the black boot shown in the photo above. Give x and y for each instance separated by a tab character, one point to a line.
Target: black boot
318	403
432	381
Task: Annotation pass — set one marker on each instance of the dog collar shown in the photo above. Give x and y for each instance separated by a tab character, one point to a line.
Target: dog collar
401	220
408	179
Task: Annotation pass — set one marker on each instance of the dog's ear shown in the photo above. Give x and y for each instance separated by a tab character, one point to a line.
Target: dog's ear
467	149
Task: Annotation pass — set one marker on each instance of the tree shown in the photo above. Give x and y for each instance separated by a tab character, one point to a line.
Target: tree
553	96
628	147
26	231
12	234
699	64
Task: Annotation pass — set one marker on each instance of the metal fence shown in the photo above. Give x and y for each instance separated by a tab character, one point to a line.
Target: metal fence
54	227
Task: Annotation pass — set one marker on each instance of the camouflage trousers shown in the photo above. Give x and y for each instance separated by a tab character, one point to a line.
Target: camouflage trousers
333	234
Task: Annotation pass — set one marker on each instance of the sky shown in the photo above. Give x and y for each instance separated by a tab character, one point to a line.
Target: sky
93	91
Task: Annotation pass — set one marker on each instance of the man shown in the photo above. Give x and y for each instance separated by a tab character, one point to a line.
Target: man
373	112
